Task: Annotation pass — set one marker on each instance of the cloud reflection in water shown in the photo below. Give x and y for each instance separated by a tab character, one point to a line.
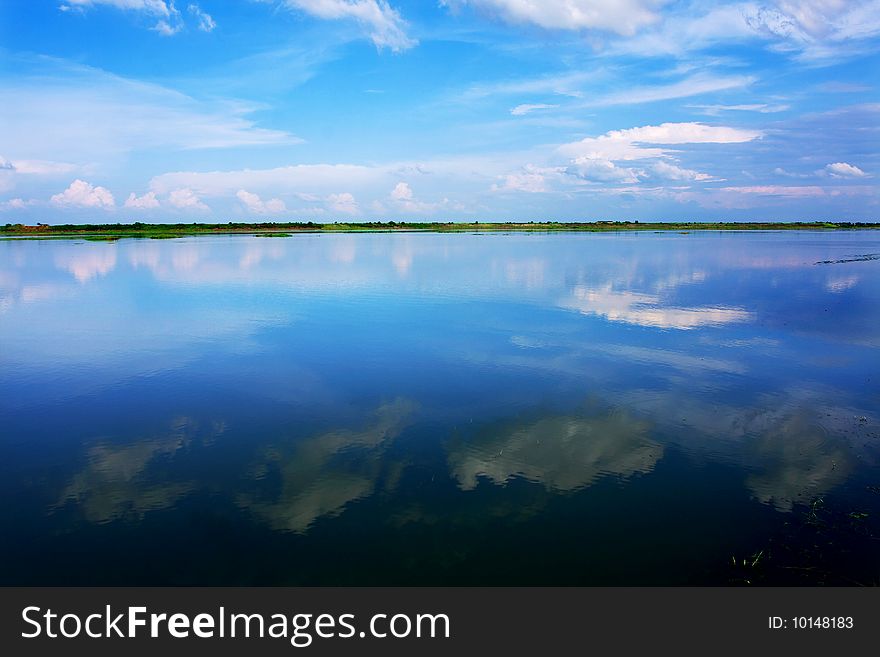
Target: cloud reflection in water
315	481
562	452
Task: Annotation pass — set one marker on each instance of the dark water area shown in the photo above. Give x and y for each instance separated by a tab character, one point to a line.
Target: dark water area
420	409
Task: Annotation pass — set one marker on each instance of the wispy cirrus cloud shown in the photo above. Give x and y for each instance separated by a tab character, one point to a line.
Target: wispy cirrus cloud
622	17
55	110
761	108
693	86
255	205
169	19
528	108
167	16
204	21
384	24
815	31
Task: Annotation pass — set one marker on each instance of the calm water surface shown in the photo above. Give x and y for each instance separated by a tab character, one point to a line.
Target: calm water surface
441	409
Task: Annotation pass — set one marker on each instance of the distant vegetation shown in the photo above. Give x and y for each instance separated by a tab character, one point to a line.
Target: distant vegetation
110	231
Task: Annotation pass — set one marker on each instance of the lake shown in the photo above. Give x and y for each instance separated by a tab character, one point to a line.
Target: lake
425	408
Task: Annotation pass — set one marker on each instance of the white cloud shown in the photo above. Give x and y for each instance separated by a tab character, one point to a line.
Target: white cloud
779	171
623	16
762	108
402	192
596	158
529	181
155	7
601	170
527	108
674	172
843	170
806	22
564	84
344	202
11	171
14	204
386	27
312	183
814	30
37	167
627	144
186	199
84	195
402	196
256	205
146	202
169	21
56	111
167	29
693	86
804	191
312	177
205	21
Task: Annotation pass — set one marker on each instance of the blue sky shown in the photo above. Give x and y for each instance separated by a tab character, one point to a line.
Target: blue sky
356	110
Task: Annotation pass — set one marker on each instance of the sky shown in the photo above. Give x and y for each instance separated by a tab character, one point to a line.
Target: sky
426	110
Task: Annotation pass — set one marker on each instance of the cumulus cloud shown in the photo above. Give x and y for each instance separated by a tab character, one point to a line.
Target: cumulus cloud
256	205
146	202
386	27
843	170
402	192
317	182
84	195
344	203
186	199
402	196
623	16
528	108
204	20
14	204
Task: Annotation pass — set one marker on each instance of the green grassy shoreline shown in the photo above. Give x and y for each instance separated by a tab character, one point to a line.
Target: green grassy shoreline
283	229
